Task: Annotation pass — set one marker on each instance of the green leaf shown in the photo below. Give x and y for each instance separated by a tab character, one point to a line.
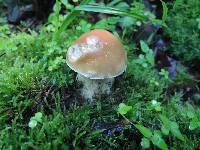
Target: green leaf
123	108
159	142
177	3
172	126
35	119
145	131
145	143
57	7
141	56
165	11
150	58
194	124
165	130
38	117
175	131
122	5
158	108
107	23
111	10
32	123
190	114
145	65
127	21
164	73
166	121
144	47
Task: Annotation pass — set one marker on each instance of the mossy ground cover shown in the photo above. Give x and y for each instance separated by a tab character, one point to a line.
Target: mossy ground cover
41	108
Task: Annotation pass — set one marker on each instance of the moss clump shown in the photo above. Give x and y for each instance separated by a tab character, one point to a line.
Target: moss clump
184	30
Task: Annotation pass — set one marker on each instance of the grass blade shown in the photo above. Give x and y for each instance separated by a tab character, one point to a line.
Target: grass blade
110	10
165	11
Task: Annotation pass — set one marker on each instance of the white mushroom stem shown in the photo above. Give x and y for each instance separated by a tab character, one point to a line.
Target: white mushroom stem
93	87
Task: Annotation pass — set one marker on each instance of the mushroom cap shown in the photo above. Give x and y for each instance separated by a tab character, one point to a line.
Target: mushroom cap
97	54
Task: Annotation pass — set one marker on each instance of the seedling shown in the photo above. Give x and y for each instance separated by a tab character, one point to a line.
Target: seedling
35	120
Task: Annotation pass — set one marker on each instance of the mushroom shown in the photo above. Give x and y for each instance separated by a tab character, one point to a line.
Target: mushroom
97	56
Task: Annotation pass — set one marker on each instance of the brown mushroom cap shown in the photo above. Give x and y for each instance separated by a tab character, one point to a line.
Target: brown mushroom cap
97	54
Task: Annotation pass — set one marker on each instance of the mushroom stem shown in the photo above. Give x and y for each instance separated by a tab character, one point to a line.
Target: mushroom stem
94	87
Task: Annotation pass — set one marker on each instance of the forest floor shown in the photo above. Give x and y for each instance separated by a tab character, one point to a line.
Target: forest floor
154	104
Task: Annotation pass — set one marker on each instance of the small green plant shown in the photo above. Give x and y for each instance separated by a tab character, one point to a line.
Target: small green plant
194	118
170	126
154	82
164	73
35	120
156	105
147	59
123	109
155	137
84	26
107	23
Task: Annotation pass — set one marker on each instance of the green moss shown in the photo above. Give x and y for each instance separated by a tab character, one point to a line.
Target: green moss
34	77
183	29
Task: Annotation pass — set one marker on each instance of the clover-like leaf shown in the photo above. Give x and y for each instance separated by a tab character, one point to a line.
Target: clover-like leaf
35	119
38	117
123	108
32	123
